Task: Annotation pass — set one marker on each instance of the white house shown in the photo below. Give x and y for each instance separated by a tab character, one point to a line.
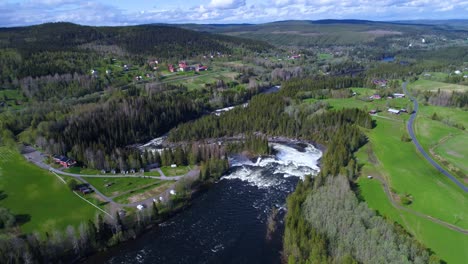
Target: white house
457	72
172	192
140	207
173	165
394	111
398	95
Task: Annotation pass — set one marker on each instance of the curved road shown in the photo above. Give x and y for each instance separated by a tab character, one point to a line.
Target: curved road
410	127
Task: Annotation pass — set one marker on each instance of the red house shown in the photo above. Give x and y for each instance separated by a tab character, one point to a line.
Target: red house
64	161
183	66
201	68
171	68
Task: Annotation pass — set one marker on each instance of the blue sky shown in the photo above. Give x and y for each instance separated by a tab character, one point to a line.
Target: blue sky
128	12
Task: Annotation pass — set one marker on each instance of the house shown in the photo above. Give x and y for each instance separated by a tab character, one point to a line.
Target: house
113	171
139	78
403	110
375	97
373	112
201	67
140	207
85	190
132	171
457	72
369	177
173	165
183	66
171	68
64	161
172	192
398	95
142	170
394	111
295	57
103	171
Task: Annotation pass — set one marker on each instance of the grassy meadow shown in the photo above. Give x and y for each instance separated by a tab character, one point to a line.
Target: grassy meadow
40	200
118	186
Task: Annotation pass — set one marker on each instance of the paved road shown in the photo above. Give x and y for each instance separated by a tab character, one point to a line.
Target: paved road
37	158
410	127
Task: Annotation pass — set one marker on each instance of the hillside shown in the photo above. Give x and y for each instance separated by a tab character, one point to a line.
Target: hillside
81	46
331	32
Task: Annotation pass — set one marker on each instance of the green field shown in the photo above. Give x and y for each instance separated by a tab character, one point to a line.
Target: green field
13	99
119	185
39	198
324	56
84	171
387	157
179	171
429	85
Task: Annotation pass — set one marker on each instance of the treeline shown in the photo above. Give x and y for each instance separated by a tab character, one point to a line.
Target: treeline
327	224
319	87
252	144
444	98
269	114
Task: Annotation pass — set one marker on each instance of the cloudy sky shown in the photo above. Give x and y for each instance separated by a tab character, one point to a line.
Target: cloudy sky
129	12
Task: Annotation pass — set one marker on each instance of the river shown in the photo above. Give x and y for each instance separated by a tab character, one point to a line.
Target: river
228	222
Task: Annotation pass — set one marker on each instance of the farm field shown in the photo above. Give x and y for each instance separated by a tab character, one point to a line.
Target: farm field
118	186
432	193
29	189
429	85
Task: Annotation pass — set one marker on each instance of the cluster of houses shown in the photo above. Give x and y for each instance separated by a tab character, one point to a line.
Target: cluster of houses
184	67
64	161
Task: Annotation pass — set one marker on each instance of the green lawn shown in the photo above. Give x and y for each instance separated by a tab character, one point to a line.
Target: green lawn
325	56
408	172
179	171
152	173
119	185
84	171
34	193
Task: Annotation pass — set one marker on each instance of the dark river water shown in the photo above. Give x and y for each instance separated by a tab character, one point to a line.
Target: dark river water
228	222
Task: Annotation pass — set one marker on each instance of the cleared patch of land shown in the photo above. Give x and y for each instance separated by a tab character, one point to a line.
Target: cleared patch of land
40	201
178	171
145	193
116	186
429	85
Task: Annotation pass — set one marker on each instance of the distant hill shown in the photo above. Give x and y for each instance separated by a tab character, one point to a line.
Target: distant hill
157	40
329	32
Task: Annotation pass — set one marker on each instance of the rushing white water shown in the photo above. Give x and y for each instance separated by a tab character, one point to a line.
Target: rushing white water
288	161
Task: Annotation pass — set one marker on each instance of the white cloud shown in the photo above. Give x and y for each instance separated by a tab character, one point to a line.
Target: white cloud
226	4
222	11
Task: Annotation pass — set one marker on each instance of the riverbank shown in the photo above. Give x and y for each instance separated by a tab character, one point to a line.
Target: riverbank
225	219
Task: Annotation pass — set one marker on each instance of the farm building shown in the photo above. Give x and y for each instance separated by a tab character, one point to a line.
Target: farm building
398	95
373	112
394	111
375	97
